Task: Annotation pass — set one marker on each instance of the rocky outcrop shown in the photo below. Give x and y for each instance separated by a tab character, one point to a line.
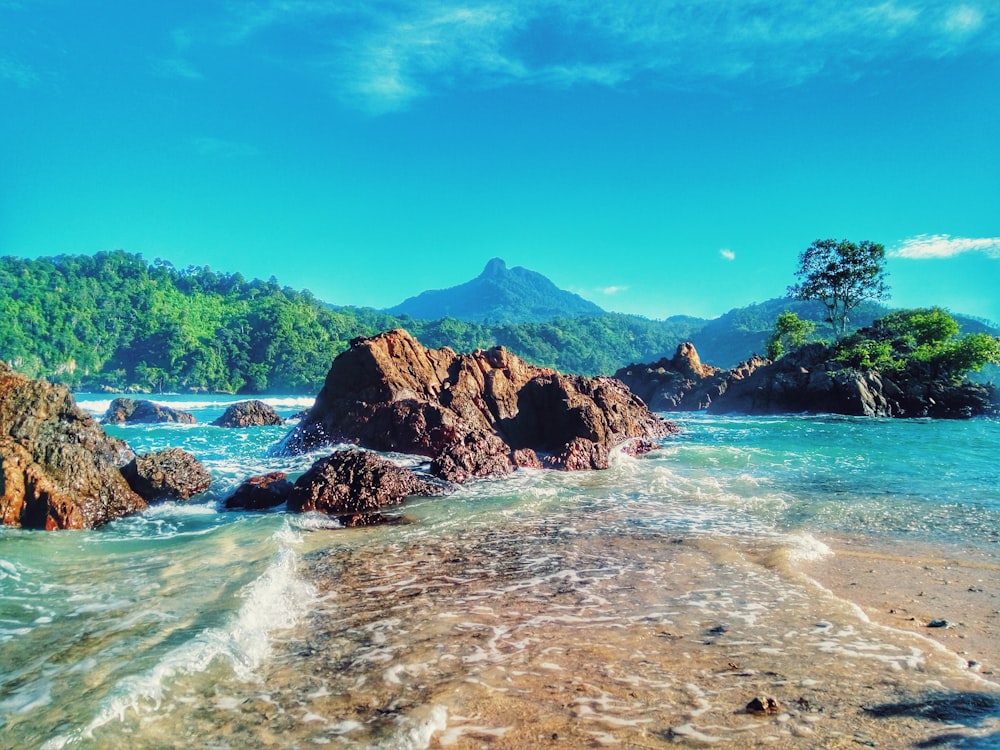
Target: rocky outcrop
58	469
172	474
478	414
126	411
350	482
683	383
249	414
260	492
808	381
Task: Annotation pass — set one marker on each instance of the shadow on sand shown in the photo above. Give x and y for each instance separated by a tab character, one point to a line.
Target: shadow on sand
966	708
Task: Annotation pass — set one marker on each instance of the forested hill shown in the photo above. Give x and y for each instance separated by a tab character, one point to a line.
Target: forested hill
115	321
501	295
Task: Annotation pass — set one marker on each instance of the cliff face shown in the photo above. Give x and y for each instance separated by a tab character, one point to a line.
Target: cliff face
475	414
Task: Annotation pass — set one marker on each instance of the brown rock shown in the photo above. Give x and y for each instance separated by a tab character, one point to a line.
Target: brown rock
261	492
127	411
364	520
58	469
252	413
353	481
764	706
684	383
172	474
476	414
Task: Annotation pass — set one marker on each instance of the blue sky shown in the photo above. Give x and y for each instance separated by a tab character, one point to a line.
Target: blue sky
658	158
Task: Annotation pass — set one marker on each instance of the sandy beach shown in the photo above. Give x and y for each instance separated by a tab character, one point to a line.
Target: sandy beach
949	595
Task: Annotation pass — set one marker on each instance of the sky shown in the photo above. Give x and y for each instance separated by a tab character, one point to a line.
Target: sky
658	158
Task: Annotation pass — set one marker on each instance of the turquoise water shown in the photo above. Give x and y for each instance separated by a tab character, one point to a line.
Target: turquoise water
189	626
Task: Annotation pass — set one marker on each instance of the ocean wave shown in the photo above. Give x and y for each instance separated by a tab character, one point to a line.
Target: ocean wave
274	601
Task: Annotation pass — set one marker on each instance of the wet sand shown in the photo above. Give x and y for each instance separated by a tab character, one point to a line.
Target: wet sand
949	595
553	637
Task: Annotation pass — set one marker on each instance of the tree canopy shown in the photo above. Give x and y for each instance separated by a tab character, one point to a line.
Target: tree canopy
841	275
790	332
114	321
922	343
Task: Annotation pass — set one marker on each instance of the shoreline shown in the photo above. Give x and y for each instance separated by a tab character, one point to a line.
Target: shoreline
948	595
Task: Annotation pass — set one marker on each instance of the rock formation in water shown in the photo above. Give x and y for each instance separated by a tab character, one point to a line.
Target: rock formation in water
478	414
350	482
58	469
253	413
172	474
683	383
126	411
807	380
260	492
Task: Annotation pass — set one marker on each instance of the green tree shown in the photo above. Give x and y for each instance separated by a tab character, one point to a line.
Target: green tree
922	343
841	275
790	332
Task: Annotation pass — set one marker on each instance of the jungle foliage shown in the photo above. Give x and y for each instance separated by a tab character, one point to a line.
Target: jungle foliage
922	343
113	320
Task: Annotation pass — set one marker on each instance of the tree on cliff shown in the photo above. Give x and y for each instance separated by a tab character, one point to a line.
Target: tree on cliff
841	275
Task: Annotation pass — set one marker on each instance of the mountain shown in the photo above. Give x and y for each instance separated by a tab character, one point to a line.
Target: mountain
114	321
499	295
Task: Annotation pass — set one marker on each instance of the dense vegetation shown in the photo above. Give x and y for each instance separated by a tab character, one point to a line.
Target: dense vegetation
923	344
114	321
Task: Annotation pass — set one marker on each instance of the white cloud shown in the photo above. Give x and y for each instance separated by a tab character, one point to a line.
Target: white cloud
381	55
965	19
727	254
945	246
614	289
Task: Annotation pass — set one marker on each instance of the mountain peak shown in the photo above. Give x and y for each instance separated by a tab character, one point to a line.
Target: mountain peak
494	269
499	294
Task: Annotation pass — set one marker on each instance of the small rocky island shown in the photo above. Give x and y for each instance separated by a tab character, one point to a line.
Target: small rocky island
474	415
813	379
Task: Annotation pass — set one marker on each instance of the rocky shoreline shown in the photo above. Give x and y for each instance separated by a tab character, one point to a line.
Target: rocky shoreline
806	381
474	415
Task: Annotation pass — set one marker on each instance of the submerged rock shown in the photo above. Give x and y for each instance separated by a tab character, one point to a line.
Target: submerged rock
172	474
352	482
253	413
127	411
58	469
478	414
261	492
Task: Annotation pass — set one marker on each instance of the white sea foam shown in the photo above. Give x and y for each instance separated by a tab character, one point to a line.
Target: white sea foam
272	602
806	548
419	729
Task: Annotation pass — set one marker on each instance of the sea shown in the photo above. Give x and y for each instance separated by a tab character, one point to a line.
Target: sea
781	582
